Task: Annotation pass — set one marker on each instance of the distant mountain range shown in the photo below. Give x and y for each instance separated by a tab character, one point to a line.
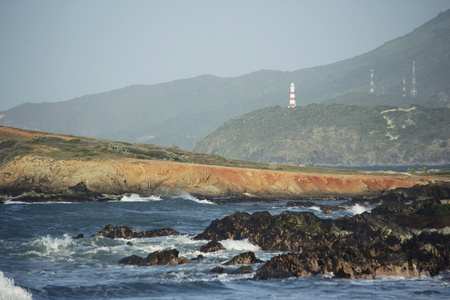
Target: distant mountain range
183	112
336	135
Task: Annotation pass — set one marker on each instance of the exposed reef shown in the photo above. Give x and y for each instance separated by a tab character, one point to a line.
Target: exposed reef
125	232
393	240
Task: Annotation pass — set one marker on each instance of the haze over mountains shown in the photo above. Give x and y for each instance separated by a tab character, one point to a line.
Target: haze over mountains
183	112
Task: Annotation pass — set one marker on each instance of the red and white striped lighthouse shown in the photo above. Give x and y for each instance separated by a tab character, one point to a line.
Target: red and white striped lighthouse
292	98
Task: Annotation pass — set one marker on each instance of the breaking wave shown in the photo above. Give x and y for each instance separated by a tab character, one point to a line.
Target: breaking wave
137	198
192	198
8	290
357	209
49	247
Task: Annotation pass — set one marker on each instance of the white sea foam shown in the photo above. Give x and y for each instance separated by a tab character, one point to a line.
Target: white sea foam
357	209
317	208
137	198
47	202
192	198
49	246
14	202
8	290
239	245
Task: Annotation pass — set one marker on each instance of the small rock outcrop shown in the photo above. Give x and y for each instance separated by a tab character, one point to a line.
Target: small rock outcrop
165	257
125	232
244	270
218	270
212	247
243	259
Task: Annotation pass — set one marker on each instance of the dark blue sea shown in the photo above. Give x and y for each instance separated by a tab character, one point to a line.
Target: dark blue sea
40	260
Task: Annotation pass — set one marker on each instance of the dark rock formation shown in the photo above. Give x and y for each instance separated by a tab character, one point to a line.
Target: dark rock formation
438	190
244	270
272	274
165	257
243	259
125	232
287	231
199	257
218	270
212	247
79	236
386	242
346	259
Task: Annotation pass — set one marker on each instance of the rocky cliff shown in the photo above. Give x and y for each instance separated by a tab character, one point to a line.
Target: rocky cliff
119	176
78	168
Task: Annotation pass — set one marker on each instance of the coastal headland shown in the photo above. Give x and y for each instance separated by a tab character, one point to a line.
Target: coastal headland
57	164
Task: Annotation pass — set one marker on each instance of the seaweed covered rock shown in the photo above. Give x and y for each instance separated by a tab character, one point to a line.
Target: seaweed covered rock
345	259
398	239
212	247
125	232
165	257
286	231
243	259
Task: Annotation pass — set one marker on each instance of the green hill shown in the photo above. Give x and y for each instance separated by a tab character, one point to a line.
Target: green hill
183	112
336	135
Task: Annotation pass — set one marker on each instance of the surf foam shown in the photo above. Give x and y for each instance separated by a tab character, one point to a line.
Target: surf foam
8	290
137	198
357	209
192	198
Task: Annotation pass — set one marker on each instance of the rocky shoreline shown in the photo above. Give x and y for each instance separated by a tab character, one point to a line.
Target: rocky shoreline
400	237
34	176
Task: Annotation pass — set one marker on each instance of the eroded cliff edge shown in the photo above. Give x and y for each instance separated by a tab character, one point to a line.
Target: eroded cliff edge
119	176
67	165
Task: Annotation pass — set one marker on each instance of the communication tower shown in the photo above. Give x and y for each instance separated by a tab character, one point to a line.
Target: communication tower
413	81
292	98
372	86
404	87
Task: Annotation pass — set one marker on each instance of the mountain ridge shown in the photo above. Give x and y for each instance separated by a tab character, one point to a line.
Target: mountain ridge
184	111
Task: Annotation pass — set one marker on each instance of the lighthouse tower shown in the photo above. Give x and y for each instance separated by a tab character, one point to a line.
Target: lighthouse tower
372	86
292	98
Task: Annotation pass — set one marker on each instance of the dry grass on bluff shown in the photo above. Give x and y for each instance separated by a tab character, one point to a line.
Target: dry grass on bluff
14	142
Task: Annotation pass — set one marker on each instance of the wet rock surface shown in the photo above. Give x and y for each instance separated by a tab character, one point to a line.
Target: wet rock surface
212	247
243	259
125	232
396	239
165	257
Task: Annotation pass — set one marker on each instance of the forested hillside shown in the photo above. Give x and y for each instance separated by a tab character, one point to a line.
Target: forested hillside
336	135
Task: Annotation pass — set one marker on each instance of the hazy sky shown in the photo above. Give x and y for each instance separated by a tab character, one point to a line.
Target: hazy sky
56	50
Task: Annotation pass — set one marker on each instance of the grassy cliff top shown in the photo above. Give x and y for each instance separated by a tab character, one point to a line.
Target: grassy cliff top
14	142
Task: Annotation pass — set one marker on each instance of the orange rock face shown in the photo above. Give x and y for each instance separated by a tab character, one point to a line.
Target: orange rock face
167	178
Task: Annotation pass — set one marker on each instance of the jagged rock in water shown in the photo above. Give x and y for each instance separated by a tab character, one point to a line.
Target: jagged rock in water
79	236
272	274
212	247
363	246
287	231
125	232
131	260
165	257
218	270
244	270
243	259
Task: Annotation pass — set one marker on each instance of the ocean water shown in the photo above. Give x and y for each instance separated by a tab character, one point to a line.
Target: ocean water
40	260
